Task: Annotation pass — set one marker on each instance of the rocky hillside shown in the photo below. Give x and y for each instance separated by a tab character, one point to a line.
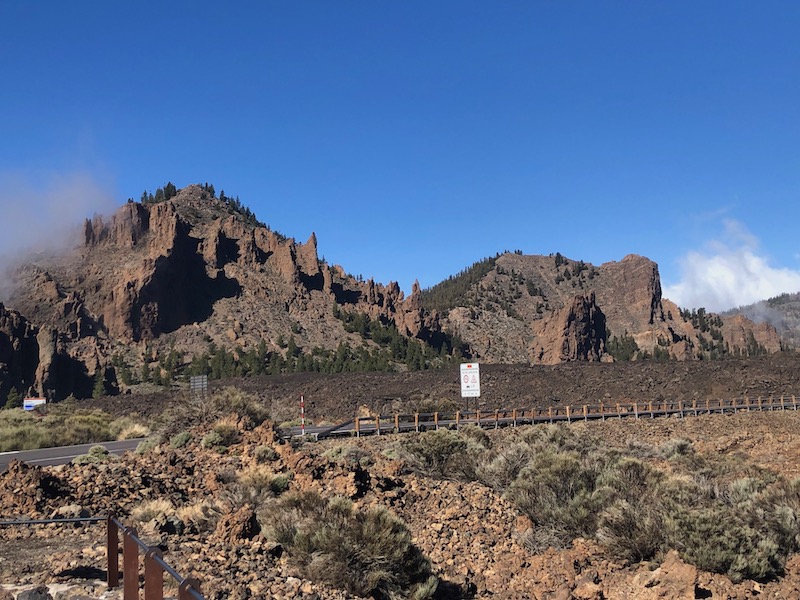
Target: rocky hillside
549	309
781	312
189	283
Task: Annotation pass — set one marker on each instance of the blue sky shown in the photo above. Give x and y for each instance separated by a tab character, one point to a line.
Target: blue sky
415	138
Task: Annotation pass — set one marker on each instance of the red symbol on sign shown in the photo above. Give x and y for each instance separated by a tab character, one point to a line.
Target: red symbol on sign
466	378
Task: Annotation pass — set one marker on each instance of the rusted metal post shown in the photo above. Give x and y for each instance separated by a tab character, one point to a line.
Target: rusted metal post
112	551
130	564
153	576
184	589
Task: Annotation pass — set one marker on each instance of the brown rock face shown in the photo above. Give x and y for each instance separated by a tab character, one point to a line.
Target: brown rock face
19	352
576	332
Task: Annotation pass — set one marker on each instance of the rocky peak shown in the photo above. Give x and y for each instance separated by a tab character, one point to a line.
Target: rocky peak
574	333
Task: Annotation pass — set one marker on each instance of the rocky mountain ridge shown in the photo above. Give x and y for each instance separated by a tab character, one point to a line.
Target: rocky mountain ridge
158	285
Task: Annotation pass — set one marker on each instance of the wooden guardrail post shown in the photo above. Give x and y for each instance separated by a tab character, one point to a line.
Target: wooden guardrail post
153	576
397	422
650	408
619	412
436	420
378	424
416	422
358	426
794	402
569	415
458	418
496	419
585	413
680	408
514	417
130	564
602	412
478	418
184	589
759	404
635	409
112	551
550	413
783	404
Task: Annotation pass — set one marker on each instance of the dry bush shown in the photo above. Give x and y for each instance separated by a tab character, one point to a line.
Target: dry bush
150	509
255	485
201	516
133	431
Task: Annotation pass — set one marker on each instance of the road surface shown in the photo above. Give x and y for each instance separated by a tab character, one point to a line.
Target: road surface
63	454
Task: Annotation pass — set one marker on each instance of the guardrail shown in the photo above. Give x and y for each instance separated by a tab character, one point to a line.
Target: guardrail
398	423
154	565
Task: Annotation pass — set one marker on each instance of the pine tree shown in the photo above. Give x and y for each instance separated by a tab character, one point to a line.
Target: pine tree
14	399
99	389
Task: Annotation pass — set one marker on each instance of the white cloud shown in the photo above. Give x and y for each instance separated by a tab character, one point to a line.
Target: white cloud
729	273
44	213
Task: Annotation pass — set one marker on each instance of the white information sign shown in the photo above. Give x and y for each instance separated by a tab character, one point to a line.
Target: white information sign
31	403
470	380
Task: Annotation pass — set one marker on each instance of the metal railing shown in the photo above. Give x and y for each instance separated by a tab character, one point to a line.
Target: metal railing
154	564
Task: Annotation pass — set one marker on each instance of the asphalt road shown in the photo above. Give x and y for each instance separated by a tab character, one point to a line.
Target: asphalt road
63	454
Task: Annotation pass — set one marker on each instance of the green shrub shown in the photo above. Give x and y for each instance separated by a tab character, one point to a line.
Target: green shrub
349	456
179	440
557	491
434	453
264	454
633	531
368	553
221	436
717	540
475	434
96	454
146	446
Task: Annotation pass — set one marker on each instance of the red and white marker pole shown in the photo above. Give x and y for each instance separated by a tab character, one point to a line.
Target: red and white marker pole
302	415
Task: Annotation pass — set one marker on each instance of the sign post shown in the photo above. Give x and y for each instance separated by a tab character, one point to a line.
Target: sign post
302	415
470	380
